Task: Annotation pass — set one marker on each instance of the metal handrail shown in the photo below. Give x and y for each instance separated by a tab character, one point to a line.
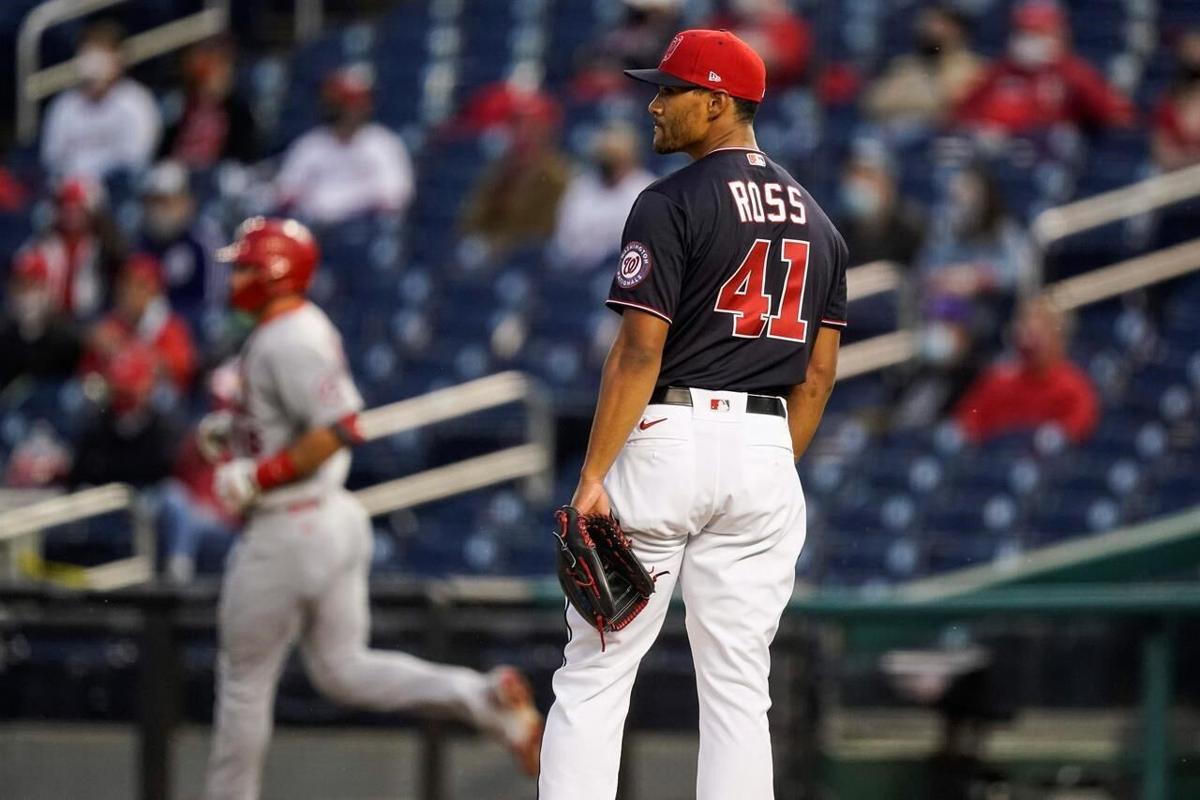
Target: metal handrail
1128	201
533	461
34	85
19	522
1102	283
873	278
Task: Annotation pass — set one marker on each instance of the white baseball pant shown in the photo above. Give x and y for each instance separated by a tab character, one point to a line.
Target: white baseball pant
709	495
302	574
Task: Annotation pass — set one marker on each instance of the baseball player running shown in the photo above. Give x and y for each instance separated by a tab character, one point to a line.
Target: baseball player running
732	290
300	571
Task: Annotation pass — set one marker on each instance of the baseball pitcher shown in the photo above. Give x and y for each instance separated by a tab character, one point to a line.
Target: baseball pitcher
732	289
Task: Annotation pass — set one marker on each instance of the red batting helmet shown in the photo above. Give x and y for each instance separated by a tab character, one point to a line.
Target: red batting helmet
283	255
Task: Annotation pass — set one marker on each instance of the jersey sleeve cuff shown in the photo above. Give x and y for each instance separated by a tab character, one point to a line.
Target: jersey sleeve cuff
837	324
619	305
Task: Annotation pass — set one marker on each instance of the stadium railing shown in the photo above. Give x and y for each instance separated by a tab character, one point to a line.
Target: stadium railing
1055	224
35	85
531	461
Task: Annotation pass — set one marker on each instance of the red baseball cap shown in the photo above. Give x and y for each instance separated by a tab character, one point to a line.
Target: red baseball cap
30	265
144	267
715	60
1040	16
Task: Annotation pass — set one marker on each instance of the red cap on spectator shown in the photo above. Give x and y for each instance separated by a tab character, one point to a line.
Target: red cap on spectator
349	87
715	60
80	192
144	267
30	265
1040	16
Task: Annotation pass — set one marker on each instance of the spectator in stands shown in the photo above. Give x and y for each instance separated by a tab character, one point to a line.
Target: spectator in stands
36	338
349	166
1041	83
781	37
39	460
515	204
215	123
593	209
183	242
142	315
877	223
979	251
189	511
1176	138
968	277
1041	386
82	247
130	440
923	87
637	40
110	123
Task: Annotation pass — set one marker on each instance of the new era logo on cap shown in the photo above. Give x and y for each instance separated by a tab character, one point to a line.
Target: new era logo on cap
711	60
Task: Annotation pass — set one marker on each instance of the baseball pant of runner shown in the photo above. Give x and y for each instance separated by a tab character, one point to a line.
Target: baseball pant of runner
712	501
302	574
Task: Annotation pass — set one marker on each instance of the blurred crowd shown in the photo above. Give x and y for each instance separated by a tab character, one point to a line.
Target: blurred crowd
133	306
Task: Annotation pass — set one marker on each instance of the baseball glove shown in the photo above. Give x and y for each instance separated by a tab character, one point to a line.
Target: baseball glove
598	571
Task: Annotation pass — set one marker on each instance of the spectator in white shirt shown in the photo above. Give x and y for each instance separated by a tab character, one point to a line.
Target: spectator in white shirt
592	213
350	165
109	123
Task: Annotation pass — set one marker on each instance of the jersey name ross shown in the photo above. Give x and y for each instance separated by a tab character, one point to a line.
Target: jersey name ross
766	203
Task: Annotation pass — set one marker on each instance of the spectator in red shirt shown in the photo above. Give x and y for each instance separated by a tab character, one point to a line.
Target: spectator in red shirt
1176	140
82	248
142	314
1040	387
1040	83
782	38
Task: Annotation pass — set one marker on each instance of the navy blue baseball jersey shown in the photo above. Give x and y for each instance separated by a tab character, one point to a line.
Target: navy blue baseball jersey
743	264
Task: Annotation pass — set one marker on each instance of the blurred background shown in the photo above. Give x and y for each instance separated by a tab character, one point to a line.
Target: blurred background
999	590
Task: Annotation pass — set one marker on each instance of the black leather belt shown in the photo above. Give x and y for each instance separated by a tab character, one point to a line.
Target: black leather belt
755	403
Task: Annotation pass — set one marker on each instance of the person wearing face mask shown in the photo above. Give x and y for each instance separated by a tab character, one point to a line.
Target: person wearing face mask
349	165
82	247
142	315
1041	83
592	213
35	337
1176	139
215	123
1039	386
109	123
922	87
877	223
183	242
129	440
969	274
980	249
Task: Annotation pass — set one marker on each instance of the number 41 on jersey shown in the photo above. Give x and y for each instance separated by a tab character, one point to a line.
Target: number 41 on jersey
744	294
